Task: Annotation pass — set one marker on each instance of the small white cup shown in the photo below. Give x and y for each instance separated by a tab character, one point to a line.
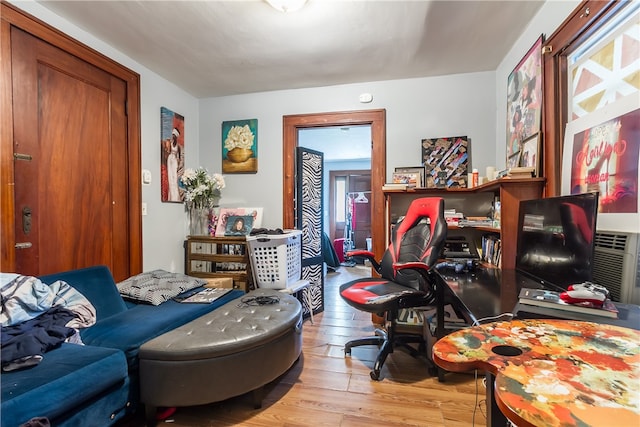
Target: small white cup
491	173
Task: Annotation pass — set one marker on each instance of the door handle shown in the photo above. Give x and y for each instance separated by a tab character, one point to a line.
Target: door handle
26	220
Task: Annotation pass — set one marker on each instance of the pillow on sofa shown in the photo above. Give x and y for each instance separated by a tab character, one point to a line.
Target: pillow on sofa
157	286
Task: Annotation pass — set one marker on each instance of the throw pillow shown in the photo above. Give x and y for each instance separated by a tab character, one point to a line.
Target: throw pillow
157	286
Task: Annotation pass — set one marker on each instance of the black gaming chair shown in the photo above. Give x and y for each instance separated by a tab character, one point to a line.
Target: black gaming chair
408	278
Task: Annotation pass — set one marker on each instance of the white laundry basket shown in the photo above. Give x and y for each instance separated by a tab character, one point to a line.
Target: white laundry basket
276	259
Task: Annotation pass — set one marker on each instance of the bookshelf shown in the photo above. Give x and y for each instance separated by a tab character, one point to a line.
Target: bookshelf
477	201
210	257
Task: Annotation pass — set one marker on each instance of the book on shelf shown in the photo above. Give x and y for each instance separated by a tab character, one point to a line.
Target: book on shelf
395	186
452	217
521	172
491	249
451	213
476	221
206	295
551	299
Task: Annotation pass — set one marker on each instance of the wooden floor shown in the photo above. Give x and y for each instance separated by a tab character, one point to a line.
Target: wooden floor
325	388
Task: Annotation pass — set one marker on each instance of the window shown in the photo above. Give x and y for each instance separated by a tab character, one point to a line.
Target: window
606	66
571	38
340	195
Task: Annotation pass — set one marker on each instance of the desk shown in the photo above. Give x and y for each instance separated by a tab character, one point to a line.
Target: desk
488	292
551	372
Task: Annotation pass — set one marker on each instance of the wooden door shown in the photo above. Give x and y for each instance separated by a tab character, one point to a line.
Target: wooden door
72	169
360	200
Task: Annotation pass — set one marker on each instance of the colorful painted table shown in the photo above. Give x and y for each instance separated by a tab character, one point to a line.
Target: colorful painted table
551	372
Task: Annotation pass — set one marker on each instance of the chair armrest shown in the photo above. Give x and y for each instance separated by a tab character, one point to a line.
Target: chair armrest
413	265
370	256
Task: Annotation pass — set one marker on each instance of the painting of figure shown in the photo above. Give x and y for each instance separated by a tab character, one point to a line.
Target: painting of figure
171	155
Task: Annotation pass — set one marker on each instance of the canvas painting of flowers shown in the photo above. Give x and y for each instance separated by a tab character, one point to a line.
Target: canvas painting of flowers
240	146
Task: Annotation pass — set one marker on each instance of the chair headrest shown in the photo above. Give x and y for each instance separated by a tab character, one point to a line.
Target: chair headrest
430	207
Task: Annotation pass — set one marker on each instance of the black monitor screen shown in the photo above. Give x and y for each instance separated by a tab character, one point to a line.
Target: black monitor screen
556	238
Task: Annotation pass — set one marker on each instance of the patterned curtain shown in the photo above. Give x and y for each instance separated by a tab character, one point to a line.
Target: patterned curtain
309	172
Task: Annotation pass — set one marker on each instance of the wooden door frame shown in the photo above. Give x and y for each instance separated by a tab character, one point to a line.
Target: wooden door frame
377	120
11	16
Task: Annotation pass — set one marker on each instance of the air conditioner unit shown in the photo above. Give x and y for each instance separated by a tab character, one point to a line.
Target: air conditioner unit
616	264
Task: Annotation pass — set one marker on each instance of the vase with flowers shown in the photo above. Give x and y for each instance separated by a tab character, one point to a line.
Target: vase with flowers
202	193
238	143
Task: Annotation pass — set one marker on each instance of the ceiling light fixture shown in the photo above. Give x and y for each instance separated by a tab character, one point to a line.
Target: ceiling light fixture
287	5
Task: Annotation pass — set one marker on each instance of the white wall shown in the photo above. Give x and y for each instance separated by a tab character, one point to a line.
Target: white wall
546	21
452	105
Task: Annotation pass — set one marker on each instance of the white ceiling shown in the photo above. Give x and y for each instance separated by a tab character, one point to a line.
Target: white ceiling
217	48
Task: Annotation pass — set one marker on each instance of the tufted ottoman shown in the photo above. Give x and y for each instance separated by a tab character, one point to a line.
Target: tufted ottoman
230	351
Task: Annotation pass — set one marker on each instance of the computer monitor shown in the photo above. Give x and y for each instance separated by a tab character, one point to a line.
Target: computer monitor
556	239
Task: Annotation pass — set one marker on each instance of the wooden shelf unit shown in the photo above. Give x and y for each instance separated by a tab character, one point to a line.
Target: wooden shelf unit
209	257
475	201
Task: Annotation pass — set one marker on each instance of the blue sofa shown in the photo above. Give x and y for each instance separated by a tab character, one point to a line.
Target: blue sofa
94	384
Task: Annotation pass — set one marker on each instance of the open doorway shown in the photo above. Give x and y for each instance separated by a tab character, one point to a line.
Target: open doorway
377	121
346	181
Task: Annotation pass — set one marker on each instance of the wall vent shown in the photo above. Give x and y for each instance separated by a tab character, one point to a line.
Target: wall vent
616	264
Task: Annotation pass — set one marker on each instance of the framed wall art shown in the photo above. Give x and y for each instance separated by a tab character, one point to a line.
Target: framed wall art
413	170
602	153
171	155
238	225
530	153
446	159
513	161
240	146
524	99
410	178
223	221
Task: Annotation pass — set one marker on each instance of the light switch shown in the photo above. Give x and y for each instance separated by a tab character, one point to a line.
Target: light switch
144	209
146	176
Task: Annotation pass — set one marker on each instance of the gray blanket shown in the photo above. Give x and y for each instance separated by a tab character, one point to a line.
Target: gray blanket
27	297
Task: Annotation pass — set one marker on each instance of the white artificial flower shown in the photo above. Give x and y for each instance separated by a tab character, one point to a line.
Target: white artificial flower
240	137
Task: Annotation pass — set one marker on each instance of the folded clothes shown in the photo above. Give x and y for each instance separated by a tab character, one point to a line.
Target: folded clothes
256	231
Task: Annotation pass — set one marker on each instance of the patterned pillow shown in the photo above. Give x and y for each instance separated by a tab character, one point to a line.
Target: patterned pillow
157	286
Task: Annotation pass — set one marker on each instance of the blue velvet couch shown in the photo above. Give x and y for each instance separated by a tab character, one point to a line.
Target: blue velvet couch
94	384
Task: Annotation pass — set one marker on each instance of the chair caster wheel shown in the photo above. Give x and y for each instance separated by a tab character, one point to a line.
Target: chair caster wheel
374	375
347	352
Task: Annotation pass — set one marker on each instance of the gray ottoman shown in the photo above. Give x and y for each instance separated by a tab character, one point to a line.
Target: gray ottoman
233	350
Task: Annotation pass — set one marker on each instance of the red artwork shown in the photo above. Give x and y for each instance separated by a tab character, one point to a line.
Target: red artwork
605	159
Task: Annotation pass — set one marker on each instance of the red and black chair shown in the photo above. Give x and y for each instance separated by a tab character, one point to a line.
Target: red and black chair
408	278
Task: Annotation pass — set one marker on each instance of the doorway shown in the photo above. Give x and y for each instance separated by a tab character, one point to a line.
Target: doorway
377	120
347	174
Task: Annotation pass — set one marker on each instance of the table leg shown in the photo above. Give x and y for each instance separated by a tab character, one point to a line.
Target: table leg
495	417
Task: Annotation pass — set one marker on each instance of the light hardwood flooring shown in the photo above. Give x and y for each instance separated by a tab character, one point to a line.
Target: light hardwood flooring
325	388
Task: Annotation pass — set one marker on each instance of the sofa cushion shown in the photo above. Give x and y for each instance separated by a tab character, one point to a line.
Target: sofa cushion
66	378
157	286
97	285
127	331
